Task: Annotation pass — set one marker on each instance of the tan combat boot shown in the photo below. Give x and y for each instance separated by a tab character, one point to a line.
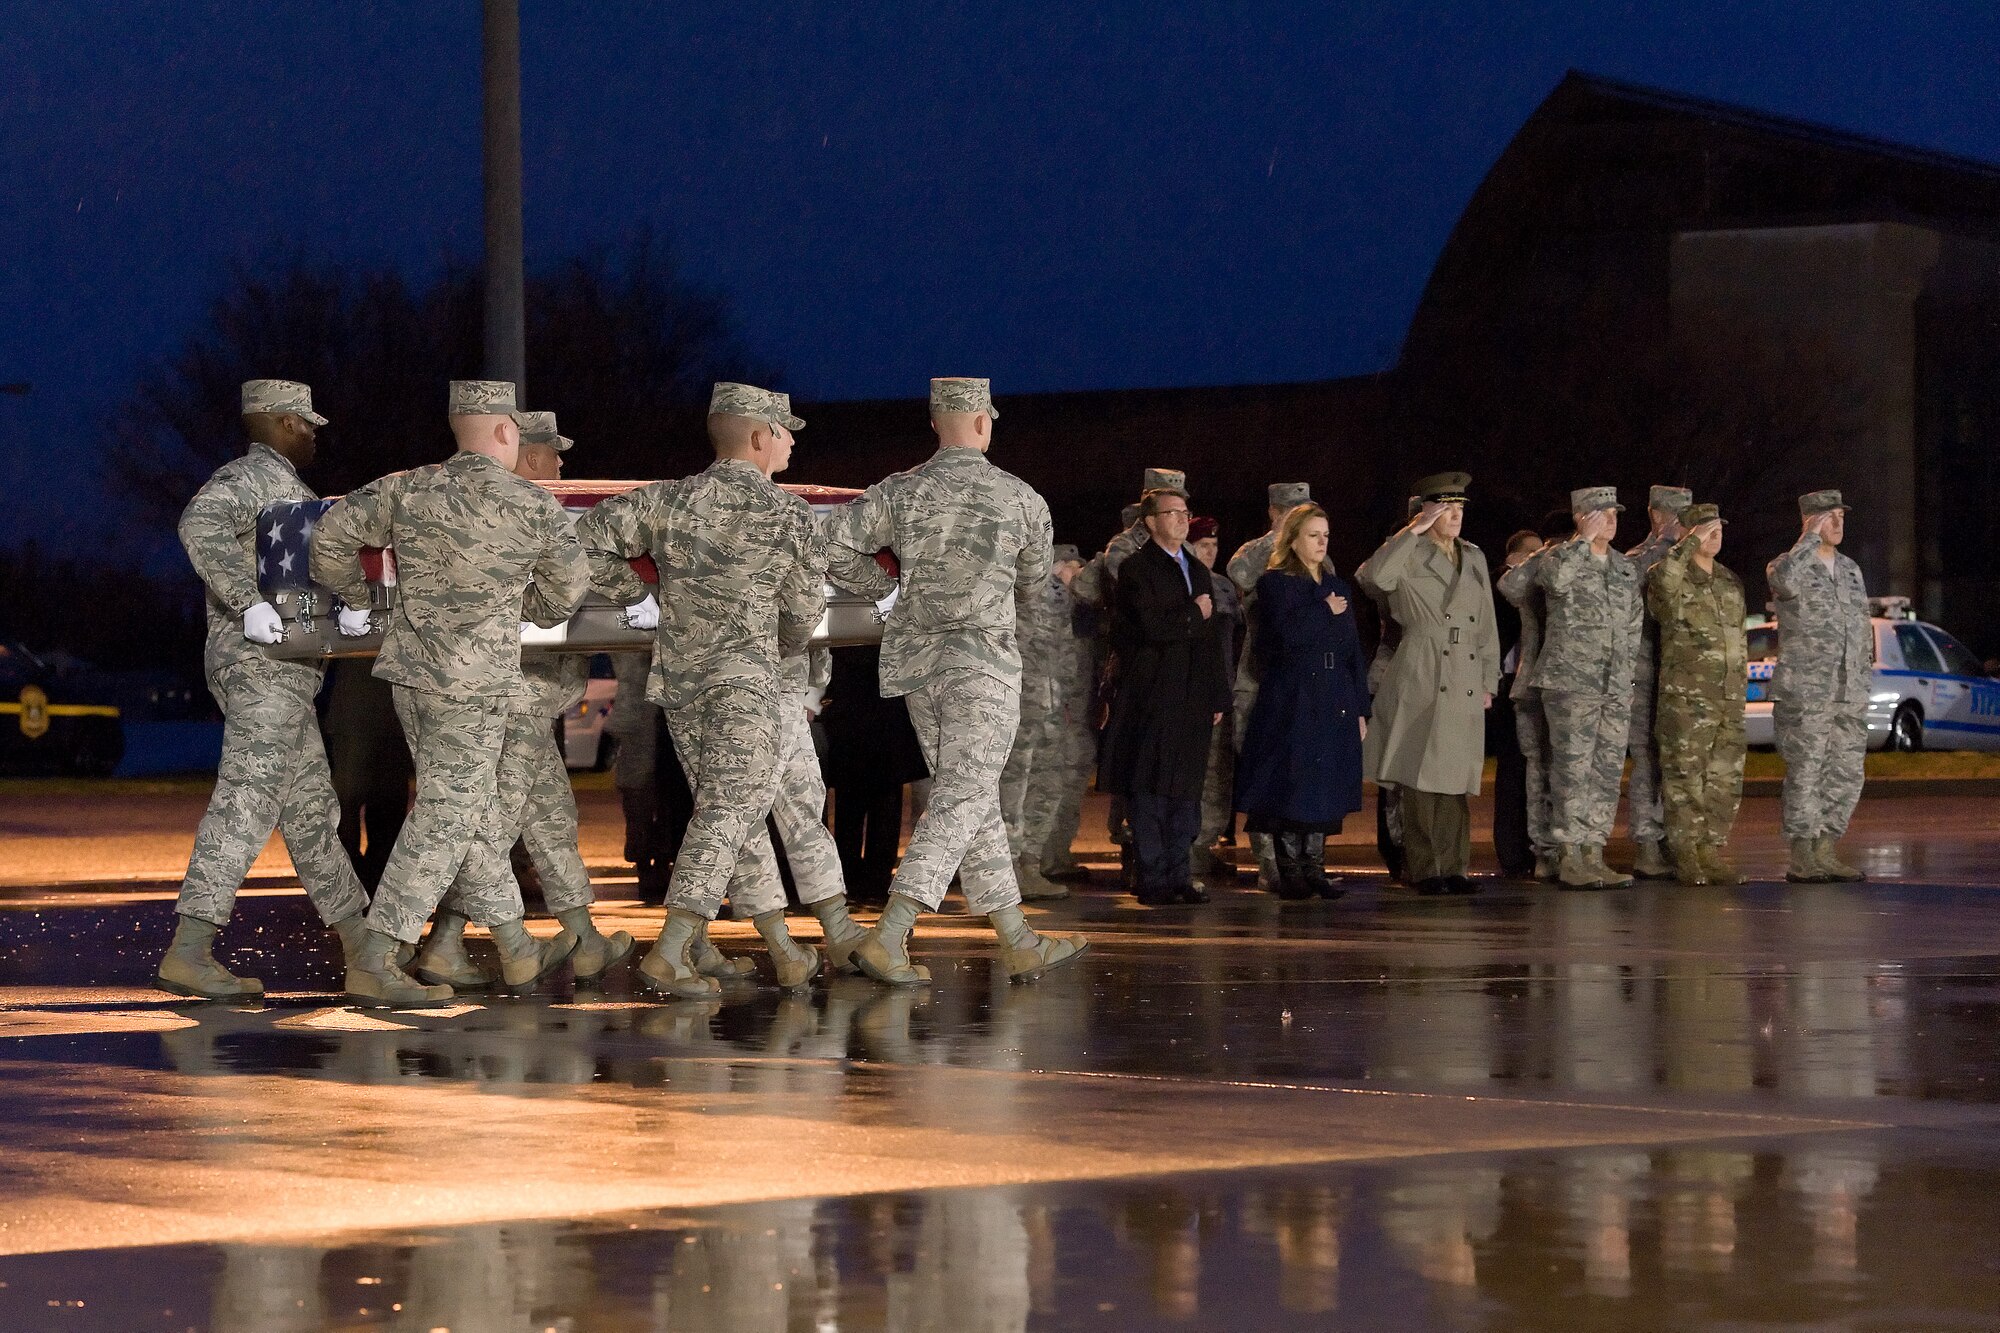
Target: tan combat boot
375	982
1574	870
1027	955
883	953
1829	860
839	932
1719	869
669	968
189	967
1034	886
1606	876
796	964
596	953
525	960
1651	862
713	962
1689	867
1805	867
1548	865
443	960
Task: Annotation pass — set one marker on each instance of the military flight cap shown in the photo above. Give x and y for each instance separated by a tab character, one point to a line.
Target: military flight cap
747	400
1696	515
540	428
1163	479
276	396
1589	499
1066	551
485	398
1820	502
1669	499
1444	487
1288	494
962	393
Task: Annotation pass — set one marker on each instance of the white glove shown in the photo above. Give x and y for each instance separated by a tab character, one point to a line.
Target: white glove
528	627
815	699
888	604
263	624
354	621
643	614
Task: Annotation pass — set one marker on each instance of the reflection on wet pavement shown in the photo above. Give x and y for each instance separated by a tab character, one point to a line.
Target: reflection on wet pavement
1665	1109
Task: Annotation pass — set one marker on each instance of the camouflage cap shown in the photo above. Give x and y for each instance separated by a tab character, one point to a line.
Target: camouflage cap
963	393
1590	499
1820	502
747	400
1128	515
540	428
1444	487
275	396
1066	551
485	398
1669	499
1163	479
1288	494
1696	515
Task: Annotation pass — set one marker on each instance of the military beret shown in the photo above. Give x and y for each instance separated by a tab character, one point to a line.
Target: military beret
275	396
729	399
1696	515
484	398
1820	502
1444	486
1669	499
959	393
1066	551
540	428
1201	529
1163	479
1589	499
1288	494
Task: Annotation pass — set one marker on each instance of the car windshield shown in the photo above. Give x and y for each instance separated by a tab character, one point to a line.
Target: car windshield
1762	643
1958	659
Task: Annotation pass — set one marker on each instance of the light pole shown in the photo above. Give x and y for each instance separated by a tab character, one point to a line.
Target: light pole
506	314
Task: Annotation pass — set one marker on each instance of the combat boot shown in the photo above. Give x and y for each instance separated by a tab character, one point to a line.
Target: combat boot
596	953
443	960
1027	955
796	964
1607	878
713	962
524	960
1064	869
1689	865
1201	861
189	967
1574	870
839	933
1805	867
1035	888
1651	862
1548	865
1264	847
1719	870
670	968
353	933
883	953
1829	861
375	982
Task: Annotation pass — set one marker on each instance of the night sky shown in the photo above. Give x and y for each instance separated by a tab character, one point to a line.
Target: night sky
1059	196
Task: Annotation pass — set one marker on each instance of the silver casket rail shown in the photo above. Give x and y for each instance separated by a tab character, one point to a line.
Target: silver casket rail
309	609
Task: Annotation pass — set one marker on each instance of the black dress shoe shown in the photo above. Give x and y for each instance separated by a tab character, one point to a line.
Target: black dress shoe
1192	894
1460	884
1330	887
1433	888
1157	897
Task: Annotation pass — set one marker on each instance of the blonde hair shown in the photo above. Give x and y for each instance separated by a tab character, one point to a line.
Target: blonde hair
1283	557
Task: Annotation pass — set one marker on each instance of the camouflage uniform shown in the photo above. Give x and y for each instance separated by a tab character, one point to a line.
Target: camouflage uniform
1054	805
1703	671
1030	762
274	770
1531	723
1644	811
973	541
478	550
799	808
1826	656
740	590
1218	787
1584	671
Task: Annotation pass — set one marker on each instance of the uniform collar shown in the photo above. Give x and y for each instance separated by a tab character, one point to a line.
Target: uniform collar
742	467
257	447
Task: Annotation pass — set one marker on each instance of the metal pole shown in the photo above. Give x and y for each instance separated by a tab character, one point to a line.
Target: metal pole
506	315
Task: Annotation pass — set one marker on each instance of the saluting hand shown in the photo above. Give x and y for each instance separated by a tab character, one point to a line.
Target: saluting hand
1426	518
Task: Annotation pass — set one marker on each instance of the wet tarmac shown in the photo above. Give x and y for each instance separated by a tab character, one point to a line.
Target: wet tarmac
1667	1108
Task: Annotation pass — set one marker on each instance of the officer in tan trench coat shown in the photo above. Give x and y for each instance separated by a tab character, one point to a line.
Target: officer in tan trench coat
1428	736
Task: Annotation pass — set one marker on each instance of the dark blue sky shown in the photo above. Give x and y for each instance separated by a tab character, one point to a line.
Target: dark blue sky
1060	196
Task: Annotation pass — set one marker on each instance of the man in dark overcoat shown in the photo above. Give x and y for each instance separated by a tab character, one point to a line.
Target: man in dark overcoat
1171	692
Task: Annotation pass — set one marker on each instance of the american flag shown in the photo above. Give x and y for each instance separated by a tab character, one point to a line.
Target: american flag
284	544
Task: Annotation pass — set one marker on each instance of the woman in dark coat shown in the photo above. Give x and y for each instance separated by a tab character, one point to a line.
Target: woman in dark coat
1299	773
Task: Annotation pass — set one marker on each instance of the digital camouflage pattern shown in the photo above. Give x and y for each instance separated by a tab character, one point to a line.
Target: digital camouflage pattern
1643	802
273	774
535	803
1251	561
478	550
1066	759
218	530
274	397
972	541
727	737
483	398
1531	723
798	809
455	832
1669	499
965	721
1218	784
1585	499
1041	620
1287	494
747	400
963	394
741	587
540	428
1586	760
1820	502
1819	689
1702	674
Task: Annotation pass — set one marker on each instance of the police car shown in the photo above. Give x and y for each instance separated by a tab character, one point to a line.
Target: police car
55	721
1929	691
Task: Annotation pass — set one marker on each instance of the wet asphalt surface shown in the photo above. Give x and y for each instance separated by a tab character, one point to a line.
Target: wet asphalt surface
1666	1108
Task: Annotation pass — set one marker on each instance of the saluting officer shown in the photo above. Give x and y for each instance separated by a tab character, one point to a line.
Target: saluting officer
1644	811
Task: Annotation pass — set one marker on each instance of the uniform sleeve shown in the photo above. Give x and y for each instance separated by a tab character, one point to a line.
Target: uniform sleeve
1517	585
1784	572
361	518
561	575
802	597
853	533
611	533
1383	572
212	528
1088	585
1245	569
1560	566
1037	558
1667	584
819	667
